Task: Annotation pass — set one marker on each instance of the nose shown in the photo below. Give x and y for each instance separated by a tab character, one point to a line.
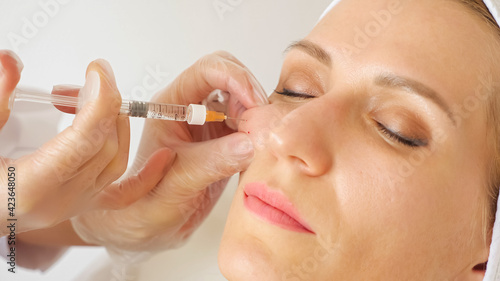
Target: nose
301	139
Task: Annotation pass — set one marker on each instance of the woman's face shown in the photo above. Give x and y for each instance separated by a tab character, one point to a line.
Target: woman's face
371	159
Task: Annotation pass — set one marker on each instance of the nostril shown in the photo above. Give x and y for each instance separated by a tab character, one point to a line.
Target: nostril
480	267
301	164
311	167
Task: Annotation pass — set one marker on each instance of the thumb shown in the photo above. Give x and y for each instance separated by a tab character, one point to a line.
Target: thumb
94	128
204	163
10	74
125	192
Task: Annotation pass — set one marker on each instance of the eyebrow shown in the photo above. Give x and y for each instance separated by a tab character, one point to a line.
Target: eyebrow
312	49
385	80
414	87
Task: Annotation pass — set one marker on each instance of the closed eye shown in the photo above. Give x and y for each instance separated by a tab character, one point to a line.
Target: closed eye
288	93
411	142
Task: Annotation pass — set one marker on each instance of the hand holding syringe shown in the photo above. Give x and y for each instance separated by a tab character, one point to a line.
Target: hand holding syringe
83	165
194	114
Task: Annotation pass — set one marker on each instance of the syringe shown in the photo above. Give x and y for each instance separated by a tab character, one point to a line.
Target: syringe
195	114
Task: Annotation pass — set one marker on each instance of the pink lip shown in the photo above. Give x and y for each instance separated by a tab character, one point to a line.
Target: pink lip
273	207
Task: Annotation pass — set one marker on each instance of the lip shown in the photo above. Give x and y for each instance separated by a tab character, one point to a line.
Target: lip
273	207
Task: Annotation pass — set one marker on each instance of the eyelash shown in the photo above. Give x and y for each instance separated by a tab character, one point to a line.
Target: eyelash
390	134
292	94
400	139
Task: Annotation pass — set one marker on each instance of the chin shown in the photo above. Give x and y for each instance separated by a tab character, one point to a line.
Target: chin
246	260
243	256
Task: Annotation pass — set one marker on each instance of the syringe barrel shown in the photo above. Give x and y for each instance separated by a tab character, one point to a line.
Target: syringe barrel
194	114
154	110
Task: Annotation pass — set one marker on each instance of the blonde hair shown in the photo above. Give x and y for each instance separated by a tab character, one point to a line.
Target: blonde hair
493	119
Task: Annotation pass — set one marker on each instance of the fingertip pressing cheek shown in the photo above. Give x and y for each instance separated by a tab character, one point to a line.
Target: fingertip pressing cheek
235	110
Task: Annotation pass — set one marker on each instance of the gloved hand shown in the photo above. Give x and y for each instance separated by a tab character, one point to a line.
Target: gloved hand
205	157
75	171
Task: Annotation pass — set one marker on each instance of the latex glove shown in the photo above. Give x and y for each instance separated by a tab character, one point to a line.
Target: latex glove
74	172
206	157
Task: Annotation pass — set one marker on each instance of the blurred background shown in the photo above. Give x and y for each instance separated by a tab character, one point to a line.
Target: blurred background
148	43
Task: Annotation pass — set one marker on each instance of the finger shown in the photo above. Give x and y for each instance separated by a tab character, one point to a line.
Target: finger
232	58
114	153
235	110
10	74
214	72
200	164
97	120
68	91
121	194
118	164
100	100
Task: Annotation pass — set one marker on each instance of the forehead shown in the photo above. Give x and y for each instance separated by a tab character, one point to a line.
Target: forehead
439	42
